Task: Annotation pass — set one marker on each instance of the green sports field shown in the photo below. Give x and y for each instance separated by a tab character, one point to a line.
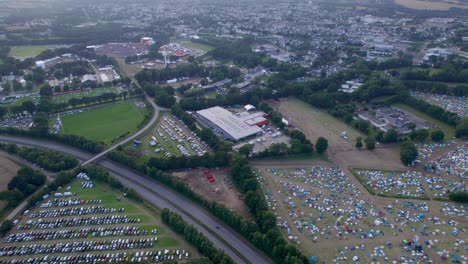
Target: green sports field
193	45
27	51
104	123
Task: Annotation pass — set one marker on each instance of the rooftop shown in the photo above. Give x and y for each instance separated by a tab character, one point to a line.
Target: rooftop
228	122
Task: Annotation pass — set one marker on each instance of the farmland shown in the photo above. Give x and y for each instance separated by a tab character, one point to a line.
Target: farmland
129	232
24	52
64	97
103	123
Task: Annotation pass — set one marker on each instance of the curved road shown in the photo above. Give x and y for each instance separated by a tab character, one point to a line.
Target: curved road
156	108
163	197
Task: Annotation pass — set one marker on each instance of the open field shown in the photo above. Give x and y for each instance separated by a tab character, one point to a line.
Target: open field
27	51
448	130
169	133
320	209
91	227
193	45
8	170
64	97
314	123
332	124
432	5
221	190
104	123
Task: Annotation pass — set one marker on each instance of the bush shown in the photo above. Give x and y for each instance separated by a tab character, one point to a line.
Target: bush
460	197
437	135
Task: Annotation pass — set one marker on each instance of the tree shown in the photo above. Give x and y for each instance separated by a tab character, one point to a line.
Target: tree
3	111
437	135
359	143
391	136
462	128
408	153
6	226
246	149
29	106
370	143
411	125
321	145
419	135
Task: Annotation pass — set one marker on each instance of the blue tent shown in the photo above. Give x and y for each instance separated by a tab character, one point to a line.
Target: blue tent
313	259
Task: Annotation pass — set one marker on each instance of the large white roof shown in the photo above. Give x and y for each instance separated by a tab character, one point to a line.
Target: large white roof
228	122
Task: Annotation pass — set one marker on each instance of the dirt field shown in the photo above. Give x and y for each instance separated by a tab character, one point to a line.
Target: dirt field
432	5
8	169
314	123
221	190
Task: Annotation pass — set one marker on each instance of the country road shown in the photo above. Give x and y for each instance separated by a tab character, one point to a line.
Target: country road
161	196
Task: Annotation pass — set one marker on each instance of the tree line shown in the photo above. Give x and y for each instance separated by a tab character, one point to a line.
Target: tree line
163	95
48	159
41	131
436	88
26	182
194	237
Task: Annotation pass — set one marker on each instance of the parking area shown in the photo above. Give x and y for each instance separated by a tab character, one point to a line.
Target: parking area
171	137
270	135
89	222
21	122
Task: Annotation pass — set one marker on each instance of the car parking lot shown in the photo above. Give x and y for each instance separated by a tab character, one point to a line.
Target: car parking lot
270	135
88	222
171	137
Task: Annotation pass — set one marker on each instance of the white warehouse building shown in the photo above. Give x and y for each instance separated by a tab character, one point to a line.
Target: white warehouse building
227	124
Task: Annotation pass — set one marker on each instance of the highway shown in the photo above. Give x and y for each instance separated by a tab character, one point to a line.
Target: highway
163	197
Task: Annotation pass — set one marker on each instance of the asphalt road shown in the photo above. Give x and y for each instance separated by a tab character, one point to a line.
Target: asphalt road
163	197
156	108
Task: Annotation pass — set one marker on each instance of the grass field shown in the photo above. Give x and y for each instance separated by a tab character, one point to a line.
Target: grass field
448	130
104	123
27	51
193	45
432	5
332	123
63	98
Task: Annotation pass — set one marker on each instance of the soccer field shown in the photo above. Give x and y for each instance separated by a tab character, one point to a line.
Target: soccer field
27	51
193	45
105	123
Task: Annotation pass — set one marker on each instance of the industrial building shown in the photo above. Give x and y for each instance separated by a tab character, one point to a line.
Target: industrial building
230	126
